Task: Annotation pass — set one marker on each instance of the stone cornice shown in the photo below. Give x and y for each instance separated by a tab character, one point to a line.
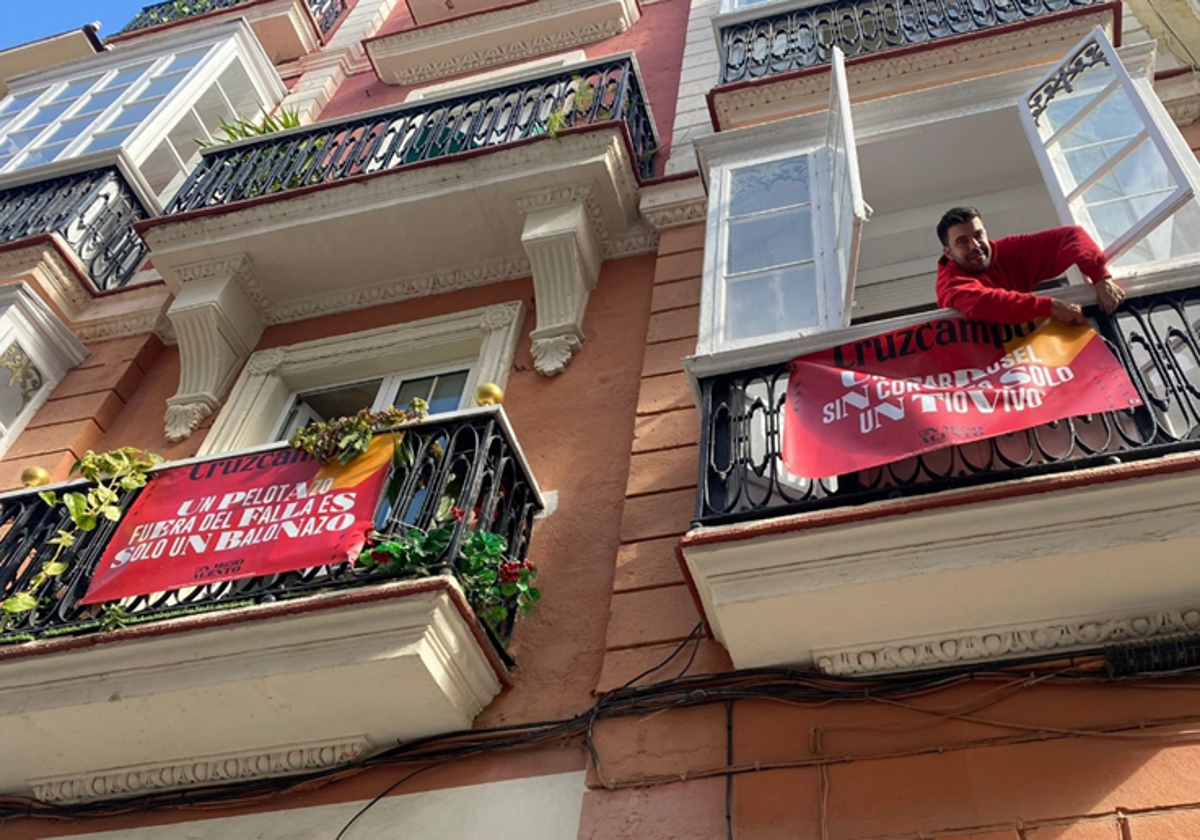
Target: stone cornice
227	768
674	204
503	36
1006	643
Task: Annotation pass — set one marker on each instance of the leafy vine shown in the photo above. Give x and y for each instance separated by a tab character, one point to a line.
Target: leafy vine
112	473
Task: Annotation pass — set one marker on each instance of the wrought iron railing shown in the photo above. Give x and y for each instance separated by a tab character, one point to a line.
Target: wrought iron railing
328	152
799	38
742	476
469	461
326	12
92	211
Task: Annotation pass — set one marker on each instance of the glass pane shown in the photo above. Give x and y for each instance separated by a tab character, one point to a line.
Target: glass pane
125	77
107	141
773	239
1073	96
98	102
42	153
158	88
1133	188
325	404
74	89
771	302
1096	138
443	393
47	114
184	61
19	382
1179	235
19	140
16	103
768	186
68	130
132	114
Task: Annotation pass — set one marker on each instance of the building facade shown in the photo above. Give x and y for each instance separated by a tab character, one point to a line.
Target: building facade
591	235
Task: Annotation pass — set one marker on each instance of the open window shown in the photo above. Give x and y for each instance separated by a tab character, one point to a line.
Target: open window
787	222
1106	160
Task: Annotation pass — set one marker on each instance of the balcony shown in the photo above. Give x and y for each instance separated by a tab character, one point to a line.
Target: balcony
346	654
1062	537
537	177
764	54
287	29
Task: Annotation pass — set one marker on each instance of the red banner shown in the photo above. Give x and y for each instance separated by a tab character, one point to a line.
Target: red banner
937	384
242	516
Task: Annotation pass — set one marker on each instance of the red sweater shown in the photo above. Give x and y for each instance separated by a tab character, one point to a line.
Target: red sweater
1003	293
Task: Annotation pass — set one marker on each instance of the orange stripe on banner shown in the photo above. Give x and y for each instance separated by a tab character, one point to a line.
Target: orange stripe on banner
1055	343
378	454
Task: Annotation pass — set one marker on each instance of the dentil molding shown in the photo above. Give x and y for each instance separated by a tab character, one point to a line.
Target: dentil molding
1005	643
227	768
674	204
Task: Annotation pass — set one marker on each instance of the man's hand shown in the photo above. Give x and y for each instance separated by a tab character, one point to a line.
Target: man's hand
1109	295
1071	313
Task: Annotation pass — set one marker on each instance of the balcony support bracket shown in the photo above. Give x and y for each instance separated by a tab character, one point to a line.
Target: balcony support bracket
218	325
565	257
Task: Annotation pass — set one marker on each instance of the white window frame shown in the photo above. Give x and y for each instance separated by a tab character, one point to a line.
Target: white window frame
810	137
389	384
227	42
1152	130
483	339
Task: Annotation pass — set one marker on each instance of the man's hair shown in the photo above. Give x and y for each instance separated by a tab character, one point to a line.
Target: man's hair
954	216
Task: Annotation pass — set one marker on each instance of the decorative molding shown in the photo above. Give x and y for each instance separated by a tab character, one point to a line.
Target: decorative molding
565	255
1005	642
227	768
750	102
674	204
504	36
120	326
58	279
485	339
453	280
217	325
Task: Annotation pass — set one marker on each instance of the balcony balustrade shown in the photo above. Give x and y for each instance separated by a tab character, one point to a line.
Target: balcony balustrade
325	12
471	460
1155	338
337	150
92	211
773	43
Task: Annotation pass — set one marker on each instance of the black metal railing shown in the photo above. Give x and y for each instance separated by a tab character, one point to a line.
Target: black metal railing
468	462
92	211
742	476
800	38
326	12
332	151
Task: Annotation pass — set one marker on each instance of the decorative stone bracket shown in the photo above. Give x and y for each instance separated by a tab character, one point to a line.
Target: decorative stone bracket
565	257
217	325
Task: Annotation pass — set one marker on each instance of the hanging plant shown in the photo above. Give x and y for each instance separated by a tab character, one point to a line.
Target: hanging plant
112	473
345	438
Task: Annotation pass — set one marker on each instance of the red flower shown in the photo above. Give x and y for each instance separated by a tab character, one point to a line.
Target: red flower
509	572
457	513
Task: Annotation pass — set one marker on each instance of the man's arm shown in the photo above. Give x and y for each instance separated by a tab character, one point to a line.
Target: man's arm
1049	253
962	291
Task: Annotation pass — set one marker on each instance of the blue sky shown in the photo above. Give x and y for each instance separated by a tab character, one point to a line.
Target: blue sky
40	18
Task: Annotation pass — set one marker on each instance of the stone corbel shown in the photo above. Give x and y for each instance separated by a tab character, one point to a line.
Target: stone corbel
217	325
565	257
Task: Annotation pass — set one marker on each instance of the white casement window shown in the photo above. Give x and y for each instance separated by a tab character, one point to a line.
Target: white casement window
148	106
787	224
1108	163
442	391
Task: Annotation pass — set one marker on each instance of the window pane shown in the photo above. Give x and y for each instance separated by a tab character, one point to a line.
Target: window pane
132	115
74	89
19	140
768	186
19	382
47	114
68	130
1130	191
773	239
17	102
158	88
125	77
327	403
98	102
1073	98
184	61
771	302
443	393
107	141
1096	138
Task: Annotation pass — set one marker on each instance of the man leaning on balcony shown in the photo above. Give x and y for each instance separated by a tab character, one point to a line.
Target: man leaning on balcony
993	280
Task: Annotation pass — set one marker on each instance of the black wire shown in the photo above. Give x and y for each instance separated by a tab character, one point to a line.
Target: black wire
384	793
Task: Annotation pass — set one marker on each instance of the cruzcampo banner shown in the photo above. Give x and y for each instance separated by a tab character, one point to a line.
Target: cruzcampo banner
941	383
242	516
